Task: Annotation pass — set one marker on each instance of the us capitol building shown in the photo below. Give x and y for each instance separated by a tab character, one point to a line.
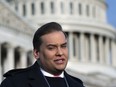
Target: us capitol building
92	41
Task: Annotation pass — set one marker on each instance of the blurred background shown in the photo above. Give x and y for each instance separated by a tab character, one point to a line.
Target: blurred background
89	24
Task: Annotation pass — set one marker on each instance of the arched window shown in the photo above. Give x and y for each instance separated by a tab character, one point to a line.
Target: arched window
32	8
87	10
16	7
42	8
52	7
17	56
62	7
71	8
24	10
80	8
4	52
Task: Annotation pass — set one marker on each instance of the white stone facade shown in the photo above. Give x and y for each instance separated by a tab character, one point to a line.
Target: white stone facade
92	42
15	40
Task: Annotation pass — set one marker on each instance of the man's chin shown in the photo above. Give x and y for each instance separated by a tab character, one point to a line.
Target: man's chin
60	69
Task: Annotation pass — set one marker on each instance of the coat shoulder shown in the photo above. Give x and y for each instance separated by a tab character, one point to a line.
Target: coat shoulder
20	76
21	71
14	76
14	72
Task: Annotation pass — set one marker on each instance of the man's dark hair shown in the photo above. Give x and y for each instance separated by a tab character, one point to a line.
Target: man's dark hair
45	29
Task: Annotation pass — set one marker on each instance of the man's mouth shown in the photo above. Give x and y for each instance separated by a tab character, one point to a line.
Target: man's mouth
59	61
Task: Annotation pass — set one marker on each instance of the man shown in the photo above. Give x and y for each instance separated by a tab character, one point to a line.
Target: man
51	53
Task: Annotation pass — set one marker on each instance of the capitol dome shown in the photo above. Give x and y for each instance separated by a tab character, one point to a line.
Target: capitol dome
69	13
92	41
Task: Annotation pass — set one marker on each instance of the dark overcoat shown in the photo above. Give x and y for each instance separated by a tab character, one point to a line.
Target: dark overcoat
32	77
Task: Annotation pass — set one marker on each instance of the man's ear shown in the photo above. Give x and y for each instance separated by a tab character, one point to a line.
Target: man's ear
36	53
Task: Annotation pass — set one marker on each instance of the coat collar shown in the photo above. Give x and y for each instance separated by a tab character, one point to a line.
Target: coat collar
51	75
36	77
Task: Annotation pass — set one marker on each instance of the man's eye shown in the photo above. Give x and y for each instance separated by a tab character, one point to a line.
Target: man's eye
64	46
51	48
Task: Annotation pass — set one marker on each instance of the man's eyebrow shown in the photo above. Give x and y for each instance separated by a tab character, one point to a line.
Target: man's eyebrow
64	43
51	45
56	44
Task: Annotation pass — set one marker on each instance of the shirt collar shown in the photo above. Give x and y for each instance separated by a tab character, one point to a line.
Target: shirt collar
51	75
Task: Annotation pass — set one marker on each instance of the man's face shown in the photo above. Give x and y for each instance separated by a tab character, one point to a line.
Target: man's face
53	52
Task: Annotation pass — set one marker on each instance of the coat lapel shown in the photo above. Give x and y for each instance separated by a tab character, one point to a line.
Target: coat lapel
36	78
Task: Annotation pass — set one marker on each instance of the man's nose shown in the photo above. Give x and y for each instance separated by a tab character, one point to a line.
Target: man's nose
59	51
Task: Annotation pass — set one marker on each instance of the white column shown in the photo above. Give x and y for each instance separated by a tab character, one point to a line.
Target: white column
107	51
28	4
84	10
20	8
91	11
37	7
76	9
10	58
47	7
86	49
82	47
0	65
101	58
23	58
30	54
57	7
93	50
77	47
70	41
113	47
66	7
